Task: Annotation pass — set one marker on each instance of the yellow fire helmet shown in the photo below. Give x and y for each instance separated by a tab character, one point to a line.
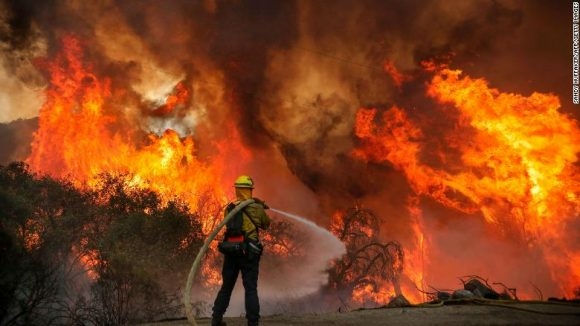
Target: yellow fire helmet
244	181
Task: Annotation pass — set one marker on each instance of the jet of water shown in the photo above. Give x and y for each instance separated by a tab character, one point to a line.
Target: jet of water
329	241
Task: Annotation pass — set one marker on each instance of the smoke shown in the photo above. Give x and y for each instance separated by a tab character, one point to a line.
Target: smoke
297	70
289	76
13	135
336	67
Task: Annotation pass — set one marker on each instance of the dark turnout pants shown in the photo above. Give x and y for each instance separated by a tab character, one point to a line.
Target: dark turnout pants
232	267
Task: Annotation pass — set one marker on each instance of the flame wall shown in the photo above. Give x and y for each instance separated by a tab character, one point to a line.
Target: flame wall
275	89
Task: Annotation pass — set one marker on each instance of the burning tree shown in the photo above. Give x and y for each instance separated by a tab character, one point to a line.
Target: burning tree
369	263
136	246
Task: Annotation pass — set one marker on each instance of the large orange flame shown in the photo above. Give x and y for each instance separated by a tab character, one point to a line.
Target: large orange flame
85	130
517	164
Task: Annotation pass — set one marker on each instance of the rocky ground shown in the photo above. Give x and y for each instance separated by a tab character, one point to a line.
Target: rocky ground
470	312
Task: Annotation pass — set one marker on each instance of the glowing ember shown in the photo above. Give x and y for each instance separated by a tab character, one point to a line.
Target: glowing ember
398	77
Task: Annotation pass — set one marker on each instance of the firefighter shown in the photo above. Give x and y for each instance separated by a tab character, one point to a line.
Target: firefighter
251	218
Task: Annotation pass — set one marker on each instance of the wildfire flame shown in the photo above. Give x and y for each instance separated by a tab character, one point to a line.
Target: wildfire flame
510	158
516	164
84	131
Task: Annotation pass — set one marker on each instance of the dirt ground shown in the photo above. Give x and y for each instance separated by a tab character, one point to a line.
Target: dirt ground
462	313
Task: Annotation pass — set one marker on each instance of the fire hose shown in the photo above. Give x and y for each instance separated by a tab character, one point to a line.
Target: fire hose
511	304
197	261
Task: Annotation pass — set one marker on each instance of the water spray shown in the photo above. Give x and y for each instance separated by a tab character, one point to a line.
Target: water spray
330	239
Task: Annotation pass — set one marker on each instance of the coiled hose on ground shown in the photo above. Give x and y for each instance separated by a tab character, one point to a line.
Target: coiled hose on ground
511	304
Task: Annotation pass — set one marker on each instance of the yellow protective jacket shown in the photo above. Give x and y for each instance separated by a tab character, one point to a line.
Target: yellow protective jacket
256	212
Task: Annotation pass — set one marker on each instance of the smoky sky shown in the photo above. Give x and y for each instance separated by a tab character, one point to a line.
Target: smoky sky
296	71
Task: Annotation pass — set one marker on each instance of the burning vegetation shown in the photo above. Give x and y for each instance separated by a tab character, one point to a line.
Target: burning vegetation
370	271
104	255
415	146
